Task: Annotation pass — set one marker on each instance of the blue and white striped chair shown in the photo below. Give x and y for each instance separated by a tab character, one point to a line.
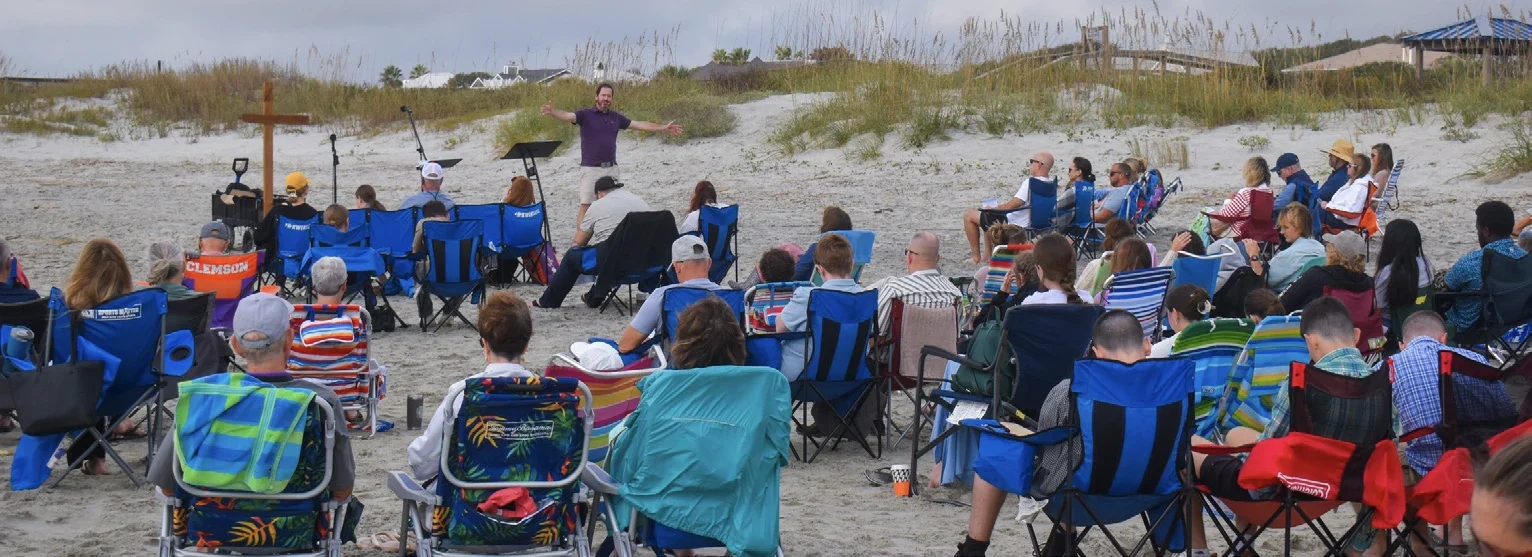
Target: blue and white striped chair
1141	293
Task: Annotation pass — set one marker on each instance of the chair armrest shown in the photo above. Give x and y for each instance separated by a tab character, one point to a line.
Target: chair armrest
1047	437
1417	434
949	356
1222	449
408	489
597	479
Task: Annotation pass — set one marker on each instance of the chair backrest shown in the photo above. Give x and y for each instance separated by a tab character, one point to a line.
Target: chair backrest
1213	346
230	277
678	298
1262	227
840	326
615	393
766	301
1201	270
1363	307
521	228
1142	293
1508	282
1312	262
1085	196
513	432
33	315
639	246
488	216
861	244
130	328
1045	340
329	339
1042	210
719	227
1454	429
913	327
1389	197
1328	405
293	236
394	231
1000	261
193	314
1135	424
453	249
1274	345
324	236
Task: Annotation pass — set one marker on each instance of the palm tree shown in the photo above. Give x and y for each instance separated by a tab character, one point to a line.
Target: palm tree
739	55
720	56
419	70
784	53
392	76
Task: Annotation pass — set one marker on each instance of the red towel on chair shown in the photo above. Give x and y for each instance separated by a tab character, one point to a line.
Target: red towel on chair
1316	466
511	502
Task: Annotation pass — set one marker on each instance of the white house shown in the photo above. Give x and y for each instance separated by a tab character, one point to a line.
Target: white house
512	74
434	80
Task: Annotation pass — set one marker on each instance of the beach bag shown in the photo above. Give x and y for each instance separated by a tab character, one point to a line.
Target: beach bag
541	263
982	348
57	399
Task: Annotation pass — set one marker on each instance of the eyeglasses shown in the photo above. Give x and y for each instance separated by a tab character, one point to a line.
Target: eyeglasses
908	252
1033	161
1113	173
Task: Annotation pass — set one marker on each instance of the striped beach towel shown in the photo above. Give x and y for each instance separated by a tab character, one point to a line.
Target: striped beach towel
331	351
1141	293
1214	346
235	432
1263	368
614	399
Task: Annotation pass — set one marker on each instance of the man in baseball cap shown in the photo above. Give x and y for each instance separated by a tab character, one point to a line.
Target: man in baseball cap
430	187
263	337
691	261
1300	187
214	239
1345	268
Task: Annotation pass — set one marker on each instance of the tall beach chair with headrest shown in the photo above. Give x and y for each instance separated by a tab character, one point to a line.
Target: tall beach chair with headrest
1381	204
841	326
252	507
332	346
1201	270
510	470
1000	262
614	393
1214	347
719	228
912	328
1259	373
230	277
861	252
1141	293
697	504
127	333
1134	424
452	274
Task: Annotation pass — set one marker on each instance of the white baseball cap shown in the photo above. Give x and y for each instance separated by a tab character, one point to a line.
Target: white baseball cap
431	170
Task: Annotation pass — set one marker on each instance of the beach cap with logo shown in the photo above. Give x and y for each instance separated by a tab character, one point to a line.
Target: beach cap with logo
688	248
216	230
261	313
1342	149
431	171
1286	160
1348	245
297	183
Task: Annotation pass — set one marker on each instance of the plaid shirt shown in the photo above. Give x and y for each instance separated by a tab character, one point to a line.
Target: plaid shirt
1467	275
1418	398
1346	361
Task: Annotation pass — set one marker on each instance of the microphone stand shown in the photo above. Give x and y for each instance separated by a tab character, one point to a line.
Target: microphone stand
334	172
419	147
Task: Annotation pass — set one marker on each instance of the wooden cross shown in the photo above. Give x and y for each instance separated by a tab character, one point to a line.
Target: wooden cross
269	119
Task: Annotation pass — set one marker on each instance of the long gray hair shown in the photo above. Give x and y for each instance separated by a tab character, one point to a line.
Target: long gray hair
166	260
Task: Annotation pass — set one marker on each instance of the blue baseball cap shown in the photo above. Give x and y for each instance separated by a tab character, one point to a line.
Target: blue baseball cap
1286	160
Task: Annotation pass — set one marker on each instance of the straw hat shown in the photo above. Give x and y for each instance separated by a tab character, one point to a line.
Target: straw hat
1342	149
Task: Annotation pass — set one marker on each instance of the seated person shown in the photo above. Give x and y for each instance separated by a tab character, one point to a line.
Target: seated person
833	219
1403	272
431	176
336	215
1185	304
1004	234
924	286
1183	241
1038	167
1262	303
703	194
1345	268
167	270
689	257
708	335
1501	503
11	293
1117	337
1023	277
1283	267
1299	189
1331	339
1116	230
432	211
1344	209
1234	216
329	278
294	207
612	205
214	238
1340	156
776	265
1130	254
505	329
1113	199
833	260
263	337
367	198
1494	221
1080	174
1417	399
520	193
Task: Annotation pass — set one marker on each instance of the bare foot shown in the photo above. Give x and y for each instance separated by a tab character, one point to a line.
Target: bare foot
935	479
94	467
974	259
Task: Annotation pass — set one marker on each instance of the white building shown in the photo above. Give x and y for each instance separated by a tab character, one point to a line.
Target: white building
434	80
512	74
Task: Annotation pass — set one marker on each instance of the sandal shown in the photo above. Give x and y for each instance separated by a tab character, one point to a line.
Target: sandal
135	433
879	477
386	541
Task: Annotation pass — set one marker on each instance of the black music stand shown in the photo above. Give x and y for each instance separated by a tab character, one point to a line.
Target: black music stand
529	152
446	163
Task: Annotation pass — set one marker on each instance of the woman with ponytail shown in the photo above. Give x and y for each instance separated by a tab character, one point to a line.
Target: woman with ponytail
167	269
1186	304
1056	267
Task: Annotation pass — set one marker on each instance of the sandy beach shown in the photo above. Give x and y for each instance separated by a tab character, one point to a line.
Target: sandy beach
58	192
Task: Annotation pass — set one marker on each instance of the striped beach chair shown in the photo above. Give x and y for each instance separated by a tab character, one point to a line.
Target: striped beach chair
330	346
1260	372
1000	262
1141	293
766	300
614	394
1213	345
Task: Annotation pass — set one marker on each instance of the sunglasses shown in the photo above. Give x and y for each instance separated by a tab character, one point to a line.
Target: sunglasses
1033	161
1113	173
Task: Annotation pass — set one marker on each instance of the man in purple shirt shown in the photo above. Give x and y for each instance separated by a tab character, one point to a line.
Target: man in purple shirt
598	139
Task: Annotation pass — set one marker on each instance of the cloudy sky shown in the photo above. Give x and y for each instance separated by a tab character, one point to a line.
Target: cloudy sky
63	37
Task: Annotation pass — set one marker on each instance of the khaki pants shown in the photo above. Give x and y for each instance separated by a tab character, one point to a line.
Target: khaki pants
588	177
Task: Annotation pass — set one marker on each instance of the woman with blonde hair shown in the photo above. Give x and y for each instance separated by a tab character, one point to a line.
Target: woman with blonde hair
167	270
100	274
1234	216
1282	269
337	216
520	193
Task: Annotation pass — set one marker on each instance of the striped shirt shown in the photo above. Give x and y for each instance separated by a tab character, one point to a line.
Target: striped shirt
926	288
1237	210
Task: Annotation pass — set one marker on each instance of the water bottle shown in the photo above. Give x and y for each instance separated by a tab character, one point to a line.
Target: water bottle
18	345
412	415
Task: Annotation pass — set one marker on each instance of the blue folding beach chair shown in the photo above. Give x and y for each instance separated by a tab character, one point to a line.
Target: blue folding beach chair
292	243
452	274
1134	423
835	371
326	236
678	298
1141	293
1213	346
1042	213
1087	234
1200	270
127	333
302	519
861	252
719	228
699	499
510	468
392	233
